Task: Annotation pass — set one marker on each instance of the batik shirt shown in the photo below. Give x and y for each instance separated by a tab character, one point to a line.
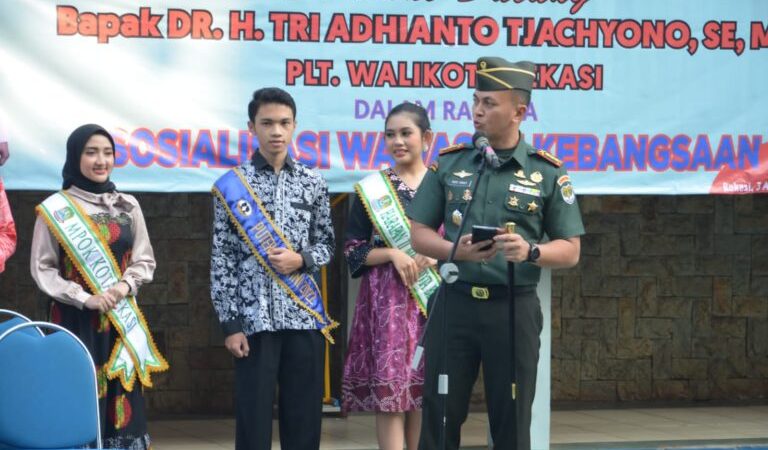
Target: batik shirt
245	296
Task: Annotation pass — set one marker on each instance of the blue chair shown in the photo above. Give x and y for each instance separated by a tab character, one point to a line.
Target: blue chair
16	319
48	389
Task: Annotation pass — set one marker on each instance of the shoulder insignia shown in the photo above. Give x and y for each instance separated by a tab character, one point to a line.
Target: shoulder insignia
451	149
433	167
550	158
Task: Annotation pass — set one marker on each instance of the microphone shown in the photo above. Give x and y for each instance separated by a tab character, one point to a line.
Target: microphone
480	141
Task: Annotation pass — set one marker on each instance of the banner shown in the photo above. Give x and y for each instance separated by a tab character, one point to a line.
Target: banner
651	97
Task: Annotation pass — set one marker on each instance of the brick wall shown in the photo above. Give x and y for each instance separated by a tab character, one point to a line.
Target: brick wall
670	301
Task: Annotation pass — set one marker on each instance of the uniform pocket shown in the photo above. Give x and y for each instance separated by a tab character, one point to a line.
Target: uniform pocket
527	205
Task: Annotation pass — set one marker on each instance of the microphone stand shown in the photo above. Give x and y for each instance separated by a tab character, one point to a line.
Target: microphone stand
512	422
449	273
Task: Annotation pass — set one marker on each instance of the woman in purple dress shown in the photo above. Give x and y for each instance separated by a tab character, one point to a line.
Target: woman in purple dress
388	322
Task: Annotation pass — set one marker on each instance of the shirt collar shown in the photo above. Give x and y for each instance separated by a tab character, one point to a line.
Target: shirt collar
259	162
519	153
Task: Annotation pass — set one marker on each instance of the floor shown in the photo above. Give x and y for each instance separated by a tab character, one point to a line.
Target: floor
743	427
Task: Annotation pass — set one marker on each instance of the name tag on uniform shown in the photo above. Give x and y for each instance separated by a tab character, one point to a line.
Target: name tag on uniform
524	190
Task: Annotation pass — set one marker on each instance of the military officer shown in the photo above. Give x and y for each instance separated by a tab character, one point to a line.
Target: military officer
531	188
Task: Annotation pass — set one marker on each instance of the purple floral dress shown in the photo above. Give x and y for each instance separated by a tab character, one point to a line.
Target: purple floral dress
386	326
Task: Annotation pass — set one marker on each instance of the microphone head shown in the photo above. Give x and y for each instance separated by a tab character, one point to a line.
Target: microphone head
480	140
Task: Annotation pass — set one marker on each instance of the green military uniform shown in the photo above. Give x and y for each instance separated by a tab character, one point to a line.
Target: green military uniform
532	189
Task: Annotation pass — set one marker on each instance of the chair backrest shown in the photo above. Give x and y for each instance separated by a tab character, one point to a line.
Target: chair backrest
48	389
17	318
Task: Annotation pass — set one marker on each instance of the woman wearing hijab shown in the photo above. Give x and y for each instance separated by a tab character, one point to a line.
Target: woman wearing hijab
90	255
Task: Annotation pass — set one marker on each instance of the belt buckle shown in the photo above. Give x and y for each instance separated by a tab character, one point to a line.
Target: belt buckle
480	293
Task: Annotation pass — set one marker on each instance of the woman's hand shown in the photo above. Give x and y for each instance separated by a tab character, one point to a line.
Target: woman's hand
405	266
119	291
101	302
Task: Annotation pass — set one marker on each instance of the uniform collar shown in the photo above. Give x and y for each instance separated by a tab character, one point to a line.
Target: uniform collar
519	153
259	162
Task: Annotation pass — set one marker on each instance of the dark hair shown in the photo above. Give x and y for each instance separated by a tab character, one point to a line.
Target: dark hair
523	97
270	95
420	114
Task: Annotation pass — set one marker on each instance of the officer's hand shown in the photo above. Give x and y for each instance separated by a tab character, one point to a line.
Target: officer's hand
405	266
512	246
471	251
285	261
237	344
423	262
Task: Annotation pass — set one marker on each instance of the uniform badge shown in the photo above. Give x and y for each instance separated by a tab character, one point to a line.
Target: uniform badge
562	180
520	174
462	174
456	217
513	201
450	196
525	182
568	195
524	190
536	177
467	195
532	207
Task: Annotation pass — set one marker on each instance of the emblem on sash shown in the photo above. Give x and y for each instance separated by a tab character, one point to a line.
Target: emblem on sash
244	208
381	203
450	196
63	214
462	174
467	195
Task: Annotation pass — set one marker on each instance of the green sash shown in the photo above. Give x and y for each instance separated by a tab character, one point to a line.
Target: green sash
387	215
135	352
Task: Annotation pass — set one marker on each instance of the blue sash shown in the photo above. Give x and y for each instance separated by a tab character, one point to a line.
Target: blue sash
255	226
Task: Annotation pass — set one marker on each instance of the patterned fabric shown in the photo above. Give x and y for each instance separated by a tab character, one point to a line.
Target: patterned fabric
386	327
123	420
244	295
7	229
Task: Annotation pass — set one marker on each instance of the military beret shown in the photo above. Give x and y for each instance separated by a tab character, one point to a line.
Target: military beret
498	74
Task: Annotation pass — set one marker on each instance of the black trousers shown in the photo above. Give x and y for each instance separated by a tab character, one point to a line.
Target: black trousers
292	360
478	333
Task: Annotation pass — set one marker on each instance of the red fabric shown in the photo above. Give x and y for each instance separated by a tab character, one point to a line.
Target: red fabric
7	229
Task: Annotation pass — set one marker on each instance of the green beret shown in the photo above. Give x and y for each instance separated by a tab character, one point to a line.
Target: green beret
498	74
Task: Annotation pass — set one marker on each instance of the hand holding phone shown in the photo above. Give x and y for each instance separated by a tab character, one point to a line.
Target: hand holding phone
483	233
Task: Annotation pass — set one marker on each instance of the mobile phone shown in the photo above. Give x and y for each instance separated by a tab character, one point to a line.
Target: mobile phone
483	233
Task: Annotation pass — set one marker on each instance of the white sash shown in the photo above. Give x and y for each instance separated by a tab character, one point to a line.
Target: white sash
387	215
135	351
